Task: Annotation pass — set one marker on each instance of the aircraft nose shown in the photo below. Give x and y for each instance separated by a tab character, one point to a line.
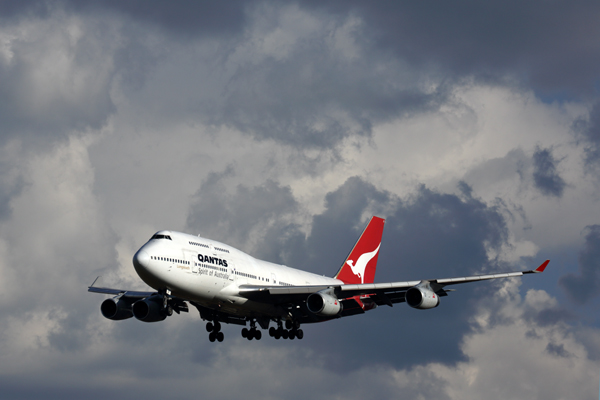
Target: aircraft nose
141	260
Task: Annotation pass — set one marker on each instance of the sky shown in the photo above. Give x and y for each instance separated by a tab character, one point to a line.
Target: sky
280	128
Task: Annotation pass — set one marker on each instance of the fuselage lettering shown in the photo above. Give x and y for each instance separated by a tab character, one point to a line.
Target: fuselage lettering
212	260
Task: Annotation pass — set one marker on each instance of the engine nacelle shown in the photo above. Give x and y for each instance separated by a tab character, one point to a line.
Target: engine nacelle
323	304
116	309
422	297
149	310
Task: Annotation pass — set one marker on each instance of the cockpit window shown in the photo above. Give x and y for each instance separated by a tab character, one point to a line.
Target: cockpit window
161	237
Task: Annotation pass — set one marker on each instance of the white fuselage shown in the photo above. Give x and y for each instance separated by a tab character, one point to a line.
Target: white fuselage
210	273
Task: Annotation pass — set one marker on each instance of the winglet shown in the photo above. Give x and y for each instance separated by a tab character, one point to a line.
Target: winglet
93	283
542	267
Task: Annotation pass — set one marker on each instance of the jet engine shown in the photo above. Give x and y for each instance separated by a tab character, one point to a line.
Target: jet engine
422	297
116	309
323	304
149	309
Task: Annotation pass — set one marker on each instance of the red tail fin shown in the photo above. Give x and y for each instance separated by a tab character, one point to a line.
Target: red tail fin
361	263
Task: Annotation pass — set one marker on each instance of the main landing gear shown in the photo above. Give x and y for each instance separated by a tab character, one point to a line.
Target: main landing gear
251	333
291	332
215	331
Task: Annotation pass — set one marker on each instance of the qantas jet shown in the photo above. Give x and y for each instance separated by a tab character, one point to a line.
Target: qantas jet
229	286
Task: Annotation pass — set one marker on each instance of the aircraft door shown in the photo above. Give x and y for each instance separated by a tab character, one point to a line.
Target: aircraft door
274	279
192	258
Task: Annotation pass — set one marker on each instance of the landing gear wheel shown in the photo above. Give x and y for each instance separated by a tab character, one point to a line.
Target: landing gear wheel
300	334
292	335
209	327
257	335
245	332
217	326
220	336
212	337
277	334
272	331
284	334
288	324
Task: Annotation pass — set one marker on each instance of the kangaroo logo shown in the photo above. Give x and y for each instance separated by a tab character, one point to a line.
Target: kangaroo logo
361	264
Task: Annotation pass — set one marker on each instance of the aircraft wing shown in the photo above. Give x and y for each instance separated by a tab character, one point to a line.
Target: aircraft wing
124	293
381	293
116	292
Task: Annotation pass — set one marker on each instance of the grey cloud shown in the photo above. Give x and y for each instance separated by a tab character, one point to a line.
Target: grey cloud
558	350
492	41
585	285
54	83
429	235
185	18
588	131
313	99
240	217
545	177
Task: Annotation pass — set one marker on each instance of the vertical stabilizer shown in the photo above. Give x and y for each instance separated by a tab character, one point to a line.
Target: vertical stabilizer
361	263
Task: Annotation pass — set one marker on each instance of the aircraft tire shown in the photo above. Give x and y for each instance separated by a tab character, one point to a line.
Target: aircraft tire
300	334
209	327
245	332
272	331
212	337
284	334
217	326
220	336
257	335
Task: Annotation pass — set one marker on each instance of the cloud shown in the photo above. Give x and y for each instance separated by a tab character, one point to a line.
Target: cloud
495	370
462	230
493	41
280	129
545	177
585	285
588	130
57	76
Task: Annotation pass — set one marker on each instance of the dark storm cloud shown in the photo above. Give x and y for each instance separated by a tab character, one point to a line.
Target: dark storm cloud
184	18
406	59
313	99
544	45
584	286
545	177
429	235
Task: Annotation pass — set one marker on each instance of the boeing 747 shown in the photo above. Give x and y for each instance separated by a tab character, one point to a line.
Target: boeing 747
229	286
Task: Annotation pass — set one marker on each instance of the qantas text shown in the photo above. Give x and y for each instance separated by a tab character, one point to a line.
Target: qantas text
212	260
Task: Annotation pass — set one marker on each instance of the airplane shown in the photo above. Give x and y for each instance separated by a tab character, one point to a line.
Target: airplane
229	286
